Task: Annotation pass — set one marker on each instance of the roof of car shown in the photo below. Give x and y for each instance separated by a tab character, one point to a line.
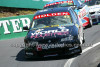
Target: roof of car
76	2
52	10
55	1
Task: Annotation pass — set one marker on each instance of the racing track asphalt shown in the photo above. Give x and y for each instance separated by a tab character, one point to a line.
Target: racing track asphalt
12	53
89	57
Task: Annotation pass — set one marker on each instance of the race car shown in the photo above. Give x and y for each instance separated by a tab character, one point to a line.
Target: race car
54	32
94	10
82	10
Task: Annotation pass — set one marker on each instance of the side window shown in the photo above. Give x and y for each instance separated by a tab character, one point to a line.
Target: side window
80	5
74	16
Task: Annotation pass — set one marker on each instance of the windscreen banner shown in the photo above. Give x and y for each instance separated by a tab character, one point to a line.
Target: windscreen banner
12	27
36	4
85	1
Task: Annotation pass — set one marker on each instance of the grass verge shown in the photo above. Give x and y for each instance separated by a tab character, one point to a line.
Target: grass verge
8	11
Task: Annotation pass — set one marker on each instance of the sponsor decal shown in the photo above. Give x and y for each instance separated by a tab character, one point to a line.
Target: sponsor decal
51	14
61	2
40	47
49	46
77	25
82	13
49	33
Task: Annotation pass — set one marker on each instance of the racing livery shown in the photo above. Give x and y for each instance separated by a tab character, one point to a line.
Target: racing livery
54	32
82	10
94	10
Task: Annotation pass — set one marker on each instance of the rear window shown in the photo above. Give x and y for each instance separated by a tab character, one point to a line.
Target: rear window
59	4
91	2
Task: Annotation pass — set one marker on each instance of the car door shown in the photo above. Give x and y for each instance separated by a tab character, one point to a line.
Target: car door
78	24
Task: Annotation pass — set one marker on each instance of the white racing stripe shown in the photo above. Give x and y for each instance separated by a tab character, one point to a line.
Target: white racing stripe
70	61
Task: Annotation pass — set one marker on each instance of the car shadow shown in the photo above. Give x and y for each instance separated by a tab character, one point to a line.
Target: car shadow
98	65
20	57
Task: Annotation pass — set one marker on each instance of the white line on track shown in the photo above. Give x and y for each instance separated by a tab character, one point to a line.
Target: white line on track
70	61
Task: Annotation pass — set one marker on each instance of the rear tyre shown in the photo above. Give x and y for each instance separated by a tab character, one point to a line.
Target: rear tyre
83	38
91	23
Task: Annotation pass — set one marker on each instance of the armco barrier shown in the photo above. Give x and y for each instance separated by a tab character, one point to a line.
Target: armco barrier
36	4
12	27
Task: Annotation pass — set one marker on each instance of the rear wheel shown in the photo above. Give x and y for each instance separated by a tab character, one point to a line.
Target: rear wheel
83	38
91	23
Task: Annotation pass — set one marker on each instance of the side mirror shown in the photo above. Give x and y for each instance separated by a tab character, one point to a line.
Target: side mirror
73	7
79	7
25	28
